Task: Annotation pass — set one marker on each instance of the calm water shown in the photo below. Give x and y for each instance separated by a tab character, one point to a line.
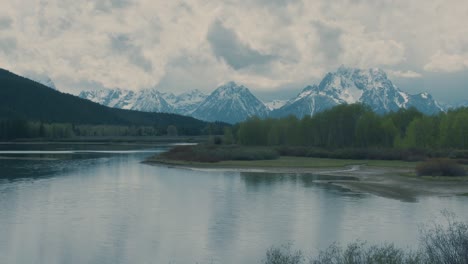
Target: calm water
107	207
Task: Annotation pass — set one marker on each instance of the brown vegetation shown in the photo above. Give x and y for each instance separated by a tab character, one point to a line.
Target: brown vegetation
440	167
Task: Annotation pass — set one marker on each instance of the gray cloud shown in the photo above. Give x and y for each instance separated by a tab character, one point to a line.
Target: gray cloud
271	4
8	45
122	44
108	5
5	22
227	45
329	41
120	3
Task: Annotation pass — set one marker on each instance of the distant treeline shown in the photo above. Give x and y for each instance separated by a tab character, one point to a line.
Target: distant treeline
22	129
357	126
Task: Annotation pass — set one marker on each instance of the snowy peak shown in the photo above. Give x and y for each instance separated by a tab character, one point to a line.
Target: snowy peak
230	89
348	85
230	103
148	100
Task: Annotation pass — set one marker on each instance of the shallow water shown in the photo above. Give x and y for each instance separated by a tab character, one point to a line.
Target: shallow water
105	206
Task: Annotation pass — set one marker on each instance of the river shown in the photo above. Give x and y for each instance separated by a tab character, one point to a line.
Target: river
86	204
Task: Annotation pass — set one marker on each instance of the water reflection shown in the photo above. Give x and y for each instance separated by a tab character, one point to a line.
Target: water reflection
255	181
110	208
38	166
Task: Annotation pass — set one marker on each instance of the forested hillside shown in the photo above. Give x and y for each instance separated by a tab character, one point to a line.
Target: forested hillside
27	106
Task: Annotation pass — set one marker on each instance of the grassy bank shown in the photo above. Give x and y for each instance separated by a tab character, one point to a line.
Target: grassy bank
259	157
288	162
234	156
395	179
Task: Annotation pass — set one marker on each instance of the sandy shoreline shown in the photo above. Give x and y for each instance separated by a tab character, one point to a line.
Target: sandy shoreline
381	181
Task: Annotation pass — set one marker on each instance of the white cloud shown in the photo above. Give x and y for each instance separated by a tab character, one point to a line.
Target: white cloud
443	62
404	74
145	43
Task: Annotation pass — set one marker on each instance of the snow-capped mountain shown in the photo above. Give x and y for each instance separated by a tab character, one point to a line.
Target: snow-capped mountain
42	79
456	105
275	104
147	100
187	102
230	103
370	87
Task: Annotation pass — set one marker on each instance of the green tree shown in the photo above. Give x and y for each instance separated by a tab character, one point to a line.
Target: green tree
421	133
460	129
172	131
368	130
228	136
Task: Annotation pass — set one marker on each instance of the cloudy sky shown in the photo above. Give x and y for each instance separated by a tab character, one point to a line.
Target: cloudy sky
275	47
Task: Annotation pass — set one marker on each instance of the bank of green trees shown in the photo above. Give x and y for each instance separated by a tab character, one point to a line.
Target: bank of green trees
357	126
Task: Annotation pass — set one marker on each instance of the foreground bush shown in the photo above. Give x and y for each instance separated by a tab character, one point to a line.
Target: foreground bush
284	255
361	253
438	245
446	245
440	167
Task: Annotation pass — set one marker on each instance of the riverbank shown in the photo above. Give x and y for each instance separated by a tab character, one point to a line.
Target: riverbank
110	140
391	179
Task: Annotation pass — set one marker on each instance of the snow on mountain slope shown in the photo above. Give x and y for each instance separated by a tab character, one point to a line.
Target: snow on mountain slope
187	102
230	103
148	100
346	85
275	104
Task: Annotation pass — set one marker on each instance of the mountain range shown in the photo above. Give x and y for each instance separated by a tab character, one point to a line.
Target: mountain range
233	103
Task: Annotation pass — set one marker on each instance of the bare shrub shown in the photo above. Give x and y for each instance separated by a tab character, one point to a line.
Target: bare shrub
283	255
446	245
360	253
440	167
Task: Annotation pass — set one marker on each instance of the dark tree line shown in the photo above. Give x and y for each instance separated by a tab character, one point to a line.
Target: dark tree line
357	126
22	129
